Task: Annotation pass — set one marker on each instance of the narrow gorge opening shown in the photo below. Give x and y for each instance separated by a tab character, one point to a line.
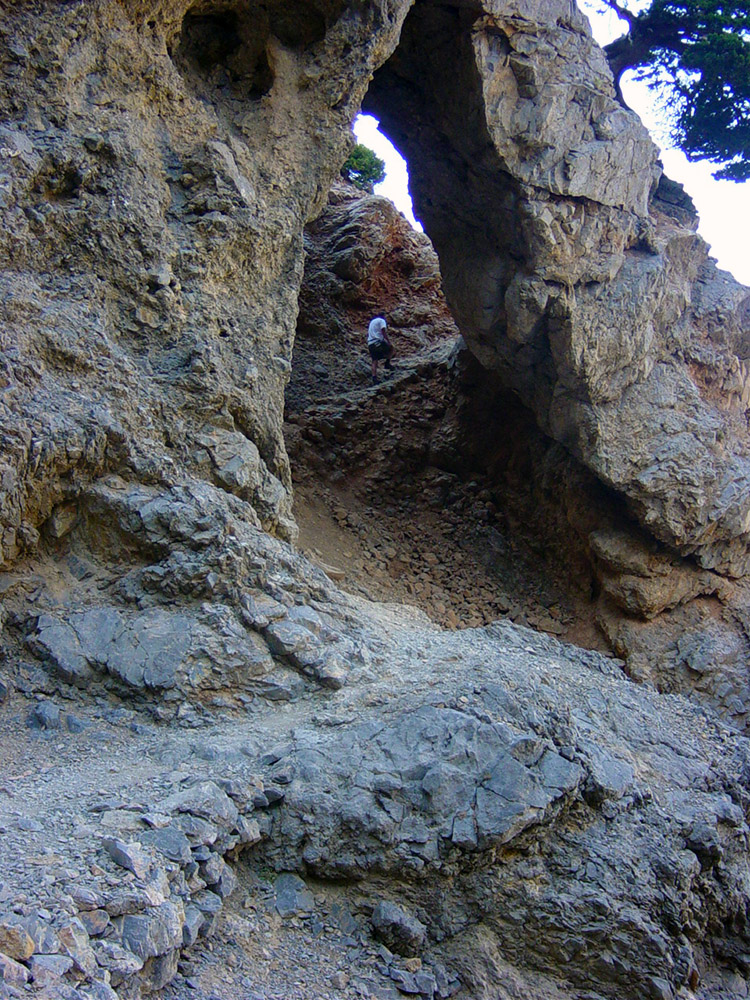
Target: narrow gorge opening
435	487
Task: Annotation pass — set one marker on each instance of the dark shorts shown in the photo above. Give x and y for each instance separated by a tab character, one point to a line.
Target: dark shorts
380	350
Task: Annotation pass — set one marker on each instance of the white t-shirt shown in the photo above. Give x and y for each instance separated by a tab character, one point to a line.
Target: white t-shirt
375	330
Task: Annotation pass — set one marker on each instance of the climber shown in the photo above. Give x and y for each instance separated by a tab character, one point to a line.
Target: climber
379	345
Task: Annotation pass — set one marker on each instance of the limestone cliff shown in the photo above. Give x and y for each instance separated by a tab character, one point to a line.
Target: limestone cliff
557	827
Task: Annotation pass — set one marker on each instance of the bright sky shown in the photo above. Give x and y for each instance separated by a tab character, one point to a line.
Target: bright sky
396	183
724	206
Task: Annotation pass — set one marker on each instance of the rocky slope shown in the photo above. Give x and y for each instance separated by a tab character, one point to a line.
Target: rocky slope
398	491
542	825
440	489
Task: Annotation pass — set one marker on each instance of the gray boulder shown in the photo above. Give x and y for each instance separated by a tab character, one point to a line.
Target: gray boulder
398	929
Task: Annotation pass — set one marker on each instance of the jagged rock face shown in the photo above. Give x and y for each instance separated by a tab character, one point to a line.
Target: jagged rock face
176	135
677	626
362	259
153	199
361	256
585	859
157	165
569	269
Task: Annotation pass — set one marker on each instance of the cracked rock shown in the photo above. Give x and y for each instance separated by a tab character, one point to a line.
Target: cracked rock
15	941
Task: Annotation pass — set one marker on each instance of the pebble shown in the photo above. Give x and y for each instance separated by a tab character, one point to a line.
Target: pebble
128	856
86	899
29	825
95	921
293	896
397	928
48	970
15	941
75	725
12	973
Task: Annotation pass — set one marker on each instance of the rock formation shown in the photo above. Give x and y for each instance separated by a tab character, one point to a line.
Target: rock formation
563	551
581	284
551	826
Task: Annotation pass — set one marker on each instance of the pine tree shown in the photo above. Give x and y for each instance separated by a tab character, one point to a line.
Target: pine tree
699	50
363	168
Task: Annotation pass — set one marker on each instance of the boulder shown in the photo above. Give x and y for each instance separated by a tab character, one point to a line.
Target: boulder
398	929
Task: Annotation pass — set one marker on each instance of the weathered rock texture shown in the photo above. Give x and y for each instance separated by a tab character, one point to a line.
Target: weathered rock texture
569	268
158	163
441	442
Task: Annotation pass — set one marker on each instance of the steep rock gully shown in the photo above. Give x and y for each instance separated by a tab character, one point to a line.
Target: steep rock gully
387	498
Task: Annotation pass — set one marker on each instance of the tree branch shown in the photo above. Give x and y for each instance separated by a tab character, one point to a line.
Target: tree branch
622	12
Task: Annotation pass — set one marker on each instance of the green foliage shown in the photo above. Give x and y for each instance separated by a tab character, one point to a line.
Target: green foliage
363	168
699	49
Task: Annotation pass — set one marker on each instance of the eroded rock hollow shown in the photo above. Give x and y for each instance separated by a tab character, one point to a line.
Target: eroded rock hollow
497	813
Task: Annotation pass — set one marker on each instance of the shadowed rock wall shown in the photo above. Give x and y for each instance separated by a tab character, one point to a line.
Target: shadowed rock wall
157	164
570	269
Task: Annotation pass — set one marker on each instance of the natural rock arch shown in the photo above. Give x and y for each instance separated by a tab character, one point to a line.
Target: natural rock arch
154	242
559	250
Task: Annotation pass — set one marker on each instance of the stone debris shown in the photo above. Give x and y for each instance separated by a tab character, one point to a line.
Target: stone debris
204	800
12	973
138	930
397	498
129	856
76	944
169	841
155	932
15	941
118	961
45	715
48	970
398	929
292	895
96	922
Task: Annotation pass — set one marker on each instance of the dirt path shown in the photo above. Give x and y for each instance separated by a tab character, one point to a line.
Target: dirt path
387	522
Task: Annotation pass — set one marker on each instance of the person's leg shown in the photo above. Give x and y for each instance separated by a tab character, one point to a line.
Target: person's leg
388	356
374	354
